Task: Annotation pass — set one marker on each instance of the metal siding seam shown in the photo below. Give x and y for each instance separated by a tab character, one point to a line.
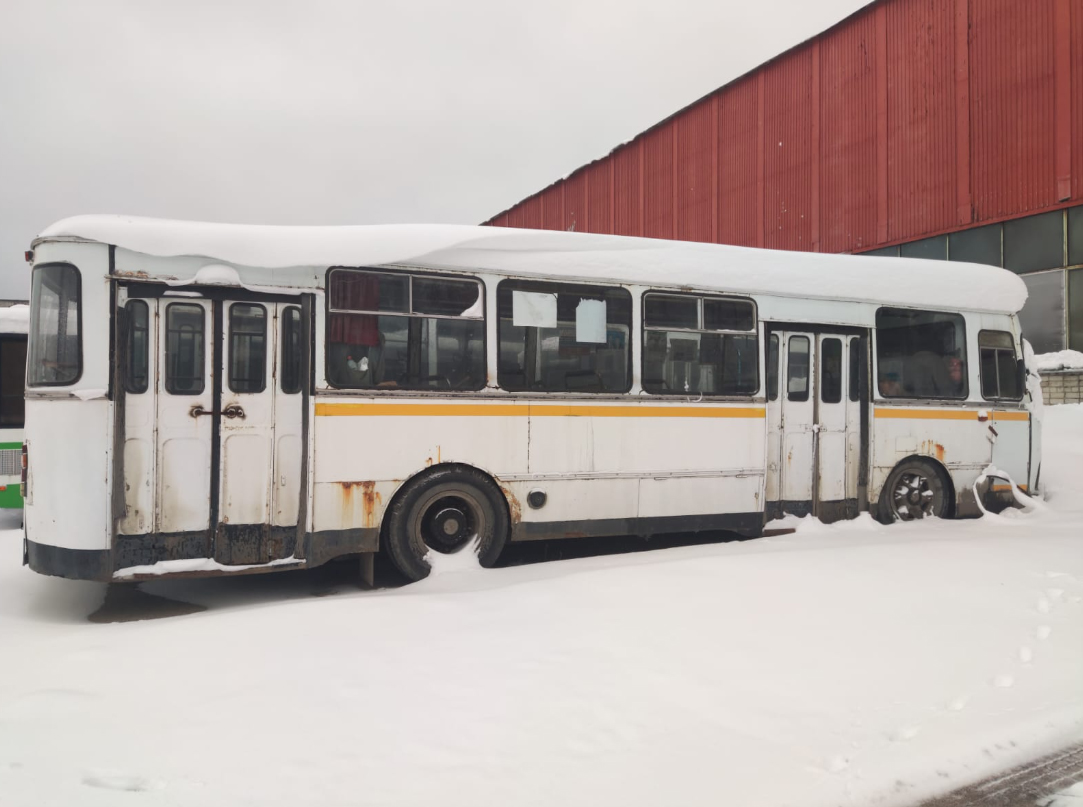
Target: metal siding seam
712	140
881	127
760	200
814	207
964	208
642	206
1062	80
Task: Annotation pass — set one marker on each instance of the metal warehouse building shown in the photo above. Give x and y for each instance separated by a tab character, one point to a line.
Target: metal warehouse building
946	129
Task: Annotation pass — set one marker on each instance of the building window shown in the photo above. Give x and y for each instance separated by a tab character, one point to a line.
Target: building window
1000	372
138	348
1075	309
1042	317
884	252
392	331
977	245
699	345
562	337
920	354
1035	242
935	249
1075	236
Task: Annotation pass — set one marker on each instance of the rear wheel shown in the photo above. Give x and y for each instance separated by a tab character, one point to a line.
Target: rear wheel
445	511
914	490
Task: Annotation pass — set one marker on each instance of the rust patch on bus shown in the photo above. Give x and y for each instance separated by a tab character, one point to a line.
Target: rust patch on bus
369	500
514	508
933	448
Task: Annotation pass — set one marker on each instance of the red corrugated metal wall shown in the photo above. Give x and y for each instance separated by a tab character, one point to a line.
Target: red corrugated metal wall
910	118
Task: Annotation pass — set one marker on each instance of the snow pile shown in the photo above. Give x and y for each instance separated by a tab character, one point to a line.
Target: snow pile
847	664
15	319
1061	360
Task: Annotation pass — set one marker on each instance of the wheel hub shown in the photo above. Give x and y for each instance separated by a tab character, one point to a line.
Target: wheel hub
447	527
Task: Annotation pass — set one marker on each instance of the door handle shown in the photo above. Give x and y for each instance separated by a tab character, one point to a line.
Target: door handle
233	411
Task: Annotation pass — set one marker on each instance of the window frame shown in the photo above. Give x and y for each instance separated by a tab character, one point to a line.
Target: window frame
129	388
79	325
167	385
409	274
996	362
230	333
283	335
957	399
700	298
553	286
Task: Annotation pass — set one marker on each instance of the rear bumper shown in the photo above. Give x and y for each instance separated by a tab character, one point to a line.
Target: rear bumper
74	564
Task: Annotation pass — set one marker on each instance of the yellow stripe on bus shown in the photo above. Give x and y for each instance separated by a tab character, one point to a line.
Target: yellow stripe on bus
947	414
999	488
534	409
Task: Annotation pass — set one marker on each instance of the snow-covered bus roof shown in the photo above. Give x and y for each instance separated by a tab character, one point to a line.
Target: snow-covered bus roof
15	318
550	253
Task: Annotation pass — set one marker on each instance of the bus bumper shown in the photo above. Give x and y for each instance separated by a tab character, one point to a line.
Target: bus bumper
74	564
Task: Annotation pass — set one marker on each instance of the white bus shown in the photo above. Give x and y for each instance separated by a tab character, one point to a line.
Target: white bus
13	326
221	399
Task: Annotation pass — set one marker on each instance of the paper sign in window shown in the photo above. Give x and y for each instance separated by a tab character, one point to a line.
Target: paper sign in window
590	321
533	309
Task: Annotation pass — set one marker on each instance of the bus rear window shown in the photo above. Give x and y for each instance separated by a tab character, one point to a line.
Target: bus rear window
56	348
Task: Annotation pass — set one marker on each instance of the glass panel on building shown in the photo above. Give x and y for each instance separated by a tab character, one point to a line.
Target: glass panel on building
976	245
1035	242
1075	236
935	248
1042	318
884	252
1075	309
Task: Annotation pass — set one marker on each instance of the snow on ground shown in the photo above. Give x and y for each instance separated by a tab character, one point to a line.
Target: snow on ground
851	664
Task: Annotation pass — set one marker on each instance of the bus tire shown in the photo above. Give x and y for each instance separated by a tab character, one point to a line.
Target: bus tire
915	489
442	511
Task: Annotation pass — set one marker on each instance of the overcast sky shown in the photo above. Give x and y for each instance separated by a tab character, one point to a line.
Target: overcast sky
351	112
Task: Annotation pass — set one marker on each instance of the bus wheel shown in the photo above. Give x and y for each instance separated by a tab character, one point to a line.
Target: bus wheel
444	511
915	489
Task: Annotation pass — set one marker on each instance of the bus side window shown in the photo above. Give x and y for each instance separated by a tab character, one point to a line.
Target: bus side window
291	350
920	354
184	340
999	369
694	345
563	337
797	369
135	370
395	331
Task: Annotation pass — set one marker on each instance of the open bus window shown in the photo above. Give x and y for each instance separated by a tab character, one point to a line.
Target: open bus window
583	348
390	331
920	354
1000	373
56	347
12	373
137	349
699	345
184	353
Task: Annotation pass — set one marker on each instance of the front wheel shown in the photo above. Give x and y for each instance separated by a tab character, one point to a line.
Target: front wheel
445	511
914	490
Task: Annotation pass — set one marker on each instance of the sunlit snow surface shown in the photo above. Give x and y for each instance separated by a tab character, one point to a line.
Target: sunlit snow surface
851	664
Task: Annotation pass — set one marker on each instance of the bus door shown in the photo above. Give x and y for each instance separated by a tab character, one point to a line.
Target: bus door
211	421
259	432
814	414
